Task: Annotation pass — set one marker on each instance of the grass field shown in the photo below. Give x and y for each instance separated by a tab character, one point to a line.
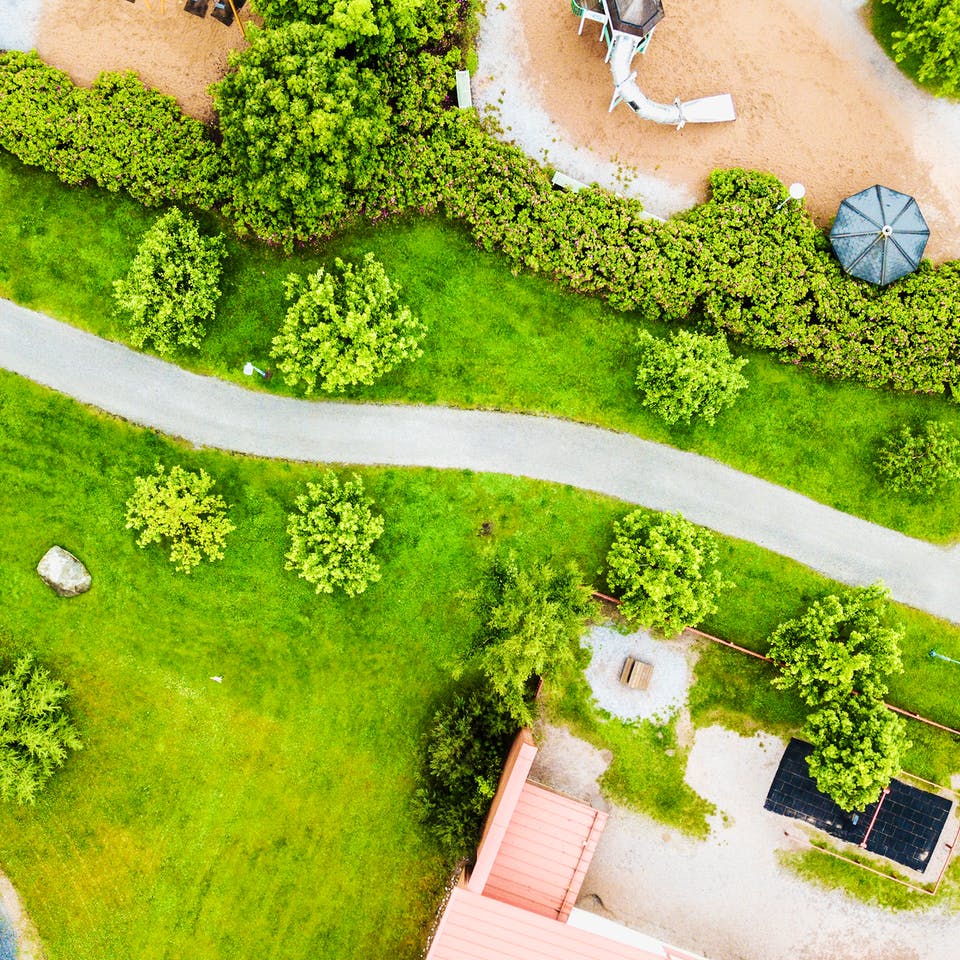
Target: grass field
495	340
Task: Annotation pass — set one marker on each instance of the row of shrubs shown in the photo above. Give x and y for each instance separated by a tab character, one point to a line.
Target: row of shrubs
761	274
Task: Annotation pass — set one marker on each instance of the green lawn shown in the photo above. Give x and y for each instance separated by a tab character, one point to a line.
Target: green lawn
496	340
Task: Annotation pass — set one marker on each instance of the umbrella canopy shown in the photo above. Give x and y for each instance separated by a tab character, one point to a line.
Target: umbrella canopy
879	235
637	17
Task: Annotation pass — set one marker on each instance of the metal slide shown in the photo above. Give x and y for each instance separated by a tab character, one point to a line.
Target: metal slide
717	109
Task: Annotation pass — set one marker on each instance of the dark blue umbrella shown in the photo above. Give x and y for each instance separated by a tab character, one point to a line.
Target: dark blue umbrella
879	235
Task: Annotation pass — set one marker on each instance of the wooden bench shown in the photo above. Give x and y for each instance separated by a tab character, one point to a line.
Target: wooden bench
636	674
464	97
568	183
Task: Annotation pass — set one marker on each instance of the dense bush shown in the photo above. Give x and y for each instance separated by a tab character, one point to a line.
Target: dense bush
919	461
179	510
173	284
691	376
36	735
344	328
932	35
465	750
663	568
531	622
332	533
117	133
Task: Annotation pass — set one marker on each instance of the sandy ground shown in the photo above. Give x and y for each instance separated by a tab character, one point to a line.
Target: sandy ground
28	941
818	101
728	897
171	50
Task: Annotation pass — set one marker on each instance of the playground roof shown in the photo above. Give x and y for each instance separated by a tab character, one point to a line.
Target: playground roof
638	17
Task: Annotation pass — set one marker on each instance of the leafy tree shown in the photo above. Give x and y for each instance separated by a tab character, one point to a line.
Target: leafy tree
932	35
690	376
838	646
664	570
531	622
465	750
302	126
179	510
172	287
35	733
858	746
919	461
345	328
332	533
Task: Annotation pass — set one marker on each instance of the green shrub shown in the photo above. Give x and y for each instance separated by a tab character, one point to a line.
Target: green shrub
344	328
858	746
531	622
173	284
919	461
332	533
932	36
465	751
179	510
690	376
36	735
116	133
663	569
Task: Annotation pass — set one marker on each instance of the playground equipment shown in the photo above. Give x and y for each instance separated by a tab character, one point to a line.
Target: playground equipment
627	29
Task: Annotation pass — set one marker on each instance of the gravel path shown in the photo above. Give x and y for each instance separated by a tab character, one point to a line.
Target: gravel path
210	412
19	24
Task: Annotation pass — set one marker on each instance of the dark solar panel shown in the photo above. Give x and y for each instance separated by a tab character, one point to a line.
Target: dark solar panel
906	830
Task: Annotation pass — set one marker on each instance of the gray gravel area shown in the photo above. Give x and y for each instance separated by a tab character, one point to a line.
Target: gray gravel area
214	413
19	22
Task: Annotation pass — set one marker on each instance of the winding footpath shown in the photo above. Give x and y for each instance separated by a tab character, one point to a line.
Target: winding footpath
213	413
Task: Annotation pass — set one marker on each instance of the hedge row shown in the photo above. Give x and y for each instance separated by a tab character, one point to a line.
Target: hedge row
117	133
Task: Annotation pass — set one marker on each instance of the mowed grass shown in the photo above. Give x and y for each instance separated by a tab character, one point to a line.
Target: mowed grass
495	340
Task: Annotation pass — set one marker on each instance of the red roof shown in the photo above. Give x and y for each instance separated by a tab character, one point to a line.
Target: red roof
475	927
545	852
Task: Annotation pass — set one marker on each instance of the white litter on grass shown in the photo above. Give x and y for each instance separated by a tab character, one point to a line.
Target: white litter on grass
668	686
19	21
502	85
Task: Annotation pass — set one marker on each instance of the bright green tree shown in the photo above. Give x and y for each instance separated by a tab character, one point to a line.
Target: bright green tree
172	287
920	460
690	376
932	35
179	510
663	568
840	645
36	735
531	622
345	328
858	745
332	533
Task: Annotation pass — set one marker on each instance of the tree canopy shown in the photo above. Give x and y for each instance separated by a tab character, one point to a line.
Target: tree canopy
663	569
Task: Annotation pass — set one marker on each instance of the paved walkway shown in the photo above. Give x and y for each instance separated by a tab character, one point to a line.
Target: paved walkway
211	412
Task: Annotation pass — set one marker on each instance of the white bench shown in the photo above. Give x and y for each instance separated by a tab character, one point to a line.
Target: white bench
464	97
568	183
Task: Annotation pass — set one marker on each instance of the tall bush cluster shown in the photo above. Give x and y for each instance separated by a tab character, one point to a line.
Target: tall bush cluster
932	35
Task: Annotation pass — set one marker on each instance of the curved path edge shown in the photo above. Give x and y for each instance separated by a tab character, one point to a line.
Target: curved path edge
28	940
214	413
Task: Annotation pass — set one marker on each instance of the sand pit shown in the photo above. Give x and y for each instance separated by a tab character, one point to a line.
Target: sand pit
818	101
171	50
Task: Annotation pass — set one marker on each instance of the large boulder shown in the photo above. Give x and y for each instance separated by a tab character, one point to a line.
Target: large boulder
62	571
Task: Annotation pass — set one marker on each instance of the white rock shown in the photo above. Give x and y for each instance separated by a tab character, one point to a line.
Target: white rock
62	571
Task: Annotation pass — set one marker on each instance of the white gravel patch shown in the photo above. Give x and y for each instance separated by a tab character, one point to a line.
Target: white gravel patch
502	86
667	692
19	21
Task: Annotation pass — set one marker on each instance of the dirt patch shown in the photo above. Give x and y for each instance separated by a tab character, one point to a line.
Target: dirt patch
170	49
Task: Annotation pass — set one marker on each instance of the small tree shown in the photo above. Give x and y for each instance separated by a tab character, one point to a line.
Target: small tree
690	376
466	746
35	733
932	36
172	287
858	745
664	570
332	534
838	646
531	623
179	510
919	461
344	329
